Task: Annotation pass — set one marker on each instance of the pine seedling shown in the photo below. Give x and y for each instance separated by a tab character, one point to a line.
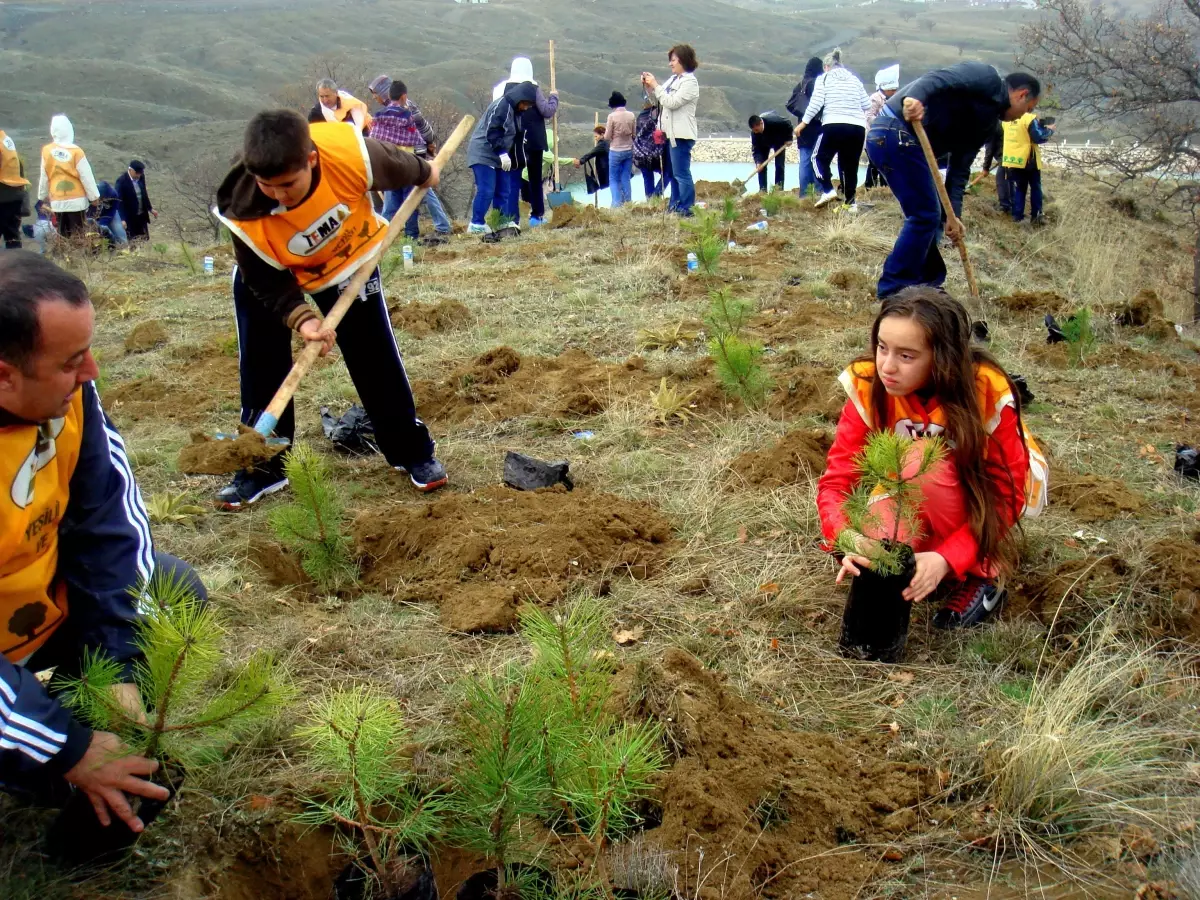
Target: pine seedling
738	361
1080	335
729	214
705	242
496	220
313	524
189	258
196	708
355	739
887	471
772	202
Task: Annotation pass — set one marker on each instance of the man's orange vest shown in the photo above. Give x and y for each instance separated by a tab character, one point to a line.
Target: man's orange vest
347	103
36	465
993	394
10	163
325	238
62	172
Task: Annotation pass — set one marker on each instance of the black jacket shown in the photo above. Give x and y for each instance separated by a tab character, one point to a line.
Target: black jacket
798	103
963	104
127	191
993	155
777	132
595	167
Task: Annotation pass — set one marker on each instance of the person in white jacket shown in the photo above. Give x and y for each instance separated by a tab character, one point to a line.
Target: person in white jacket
677	98
67	180
842	102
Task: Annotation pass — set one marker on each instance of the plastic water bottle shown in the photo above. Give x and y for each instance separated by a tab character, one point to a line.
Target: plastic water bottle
408	256
693	264
208	265
758	226
733	245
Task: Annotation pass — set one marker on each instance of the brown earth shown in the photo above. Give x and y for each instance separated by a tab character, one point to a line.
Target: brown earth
146	336
576	216
208	456
710	191
807	391
753	810
1091	498
480	555
1067	594
851	281
790	320
1174	571
795	459
423	319
189	392
1144	308
1032	301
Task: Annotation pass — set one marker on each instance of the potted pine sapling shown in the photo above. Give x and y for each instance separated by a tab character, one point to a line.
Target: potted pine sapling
356	742
886	501
599	769
196	709
313	524
501	787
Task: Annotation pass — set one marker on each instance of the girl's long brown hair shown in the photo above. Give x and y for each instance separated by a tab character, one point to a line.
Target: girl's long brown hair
952	380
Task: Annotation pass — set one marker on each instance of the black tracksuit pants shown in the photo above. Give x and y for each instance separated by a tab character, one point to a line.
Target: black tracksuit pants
10	224
846	143
531	190
369	348
760	156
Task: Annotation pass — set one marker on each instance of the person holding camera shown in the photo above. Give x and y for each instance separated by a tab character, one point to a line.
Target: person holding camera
677	98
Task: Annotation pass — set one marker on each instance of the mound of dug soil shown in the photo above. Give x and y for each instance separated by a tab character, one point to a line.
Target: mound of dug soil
146	336
715	190
1032	301
797	457
207	456
753	810
808	391
480	555
1068	594
576	216
1091	498
1141	310
1174	572
423	319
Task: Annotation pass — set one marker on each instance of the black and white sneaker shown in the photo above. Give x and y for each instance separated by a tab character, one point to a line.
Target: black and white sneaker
427	476
251	485
970	602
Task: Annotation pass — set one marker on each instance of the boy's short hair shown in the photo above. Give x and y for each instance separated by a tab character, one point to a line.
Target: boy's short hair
600	129
754	121
397	90
1016	81
277	142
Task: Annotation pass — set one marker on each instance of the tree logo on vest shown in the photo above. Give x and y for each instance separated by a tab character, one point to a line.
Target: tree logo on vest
314	237
63	156
21	491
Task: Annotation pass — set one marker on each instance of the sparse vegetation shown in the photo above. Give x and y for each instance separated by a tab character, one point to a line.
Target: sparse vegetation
168	508
705	242
738	360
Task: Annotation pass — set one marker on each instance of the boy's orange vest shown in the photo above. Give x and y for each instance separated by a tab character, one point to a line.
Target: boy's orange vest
36	465
10	163
992	390
325	238
62	172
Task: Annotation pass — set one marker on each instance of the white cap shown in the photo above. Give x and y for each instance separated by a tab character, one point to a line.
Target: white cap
888	79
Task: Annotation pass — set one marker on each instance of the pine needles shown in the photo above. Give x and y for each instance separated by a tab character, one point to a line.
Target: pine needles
313	525
738	360
705	242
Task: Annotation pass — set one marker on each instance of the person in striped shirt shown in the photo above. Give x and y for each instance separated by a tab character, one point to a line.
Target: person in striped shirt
841	101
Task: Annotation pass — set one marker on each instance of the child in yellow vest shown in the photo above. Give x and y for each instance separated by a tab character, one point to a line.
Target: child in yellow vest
67	180
14	198
924	378
1022	164
297	204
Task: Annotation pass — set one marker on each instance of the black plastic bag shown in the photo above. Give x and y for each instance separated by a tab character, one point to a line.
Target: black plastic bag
1055	335
353	433
355	882
980	332
875	621
1023	389
1187	462
528	474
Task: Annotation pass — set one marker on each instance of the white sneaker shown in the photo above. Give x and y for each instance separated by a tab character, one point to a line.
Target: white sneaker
825	198
850	208
478	229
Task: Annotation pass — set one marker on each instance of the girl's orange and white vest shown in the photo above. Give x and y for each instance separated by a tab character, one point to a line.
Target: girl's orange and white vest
10	163
910	420
62	172
347	104
327	236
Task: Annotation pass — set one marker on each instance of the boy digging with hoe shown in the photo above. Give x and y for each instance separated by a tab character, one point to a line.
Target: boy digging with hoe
297	204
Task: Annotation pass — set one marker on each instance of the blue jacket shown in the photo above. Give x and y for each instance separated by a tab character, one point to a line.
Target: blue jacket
496	131
105	549
109	203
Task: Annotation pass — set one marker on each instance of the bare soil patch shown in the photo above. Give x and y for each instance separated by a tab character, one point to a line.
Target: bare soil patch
146	336
576	216
1091	498
797	457
423	319
1032	301
207	456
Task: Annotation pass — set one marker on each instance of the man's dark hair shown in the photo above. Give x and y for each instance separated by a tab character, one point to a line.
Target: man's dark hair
755	121
1019	81
397	90
686	56
277	142
26	280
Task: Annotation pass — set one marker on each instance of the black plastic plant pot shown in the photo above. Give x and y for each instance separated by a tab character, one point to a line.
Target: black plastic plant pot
77	838
875	623
484	885
356	882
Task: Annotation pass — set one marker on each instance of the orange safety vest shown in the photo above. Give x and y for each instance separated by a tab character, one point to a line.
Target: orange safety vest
36	465
993	393
62	172
10	163
347	103
324	239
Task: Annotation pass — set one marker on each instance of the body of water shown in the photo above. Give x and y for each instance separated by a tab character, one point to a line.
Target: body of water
709	171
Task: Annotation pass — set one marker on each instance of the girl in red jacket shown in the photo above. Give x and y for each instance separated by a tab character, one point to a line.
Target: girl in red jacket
924	378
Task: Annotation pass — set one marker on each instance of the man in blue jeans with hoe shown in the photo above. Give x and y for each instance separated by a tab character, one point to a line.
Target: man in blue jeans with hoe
960	107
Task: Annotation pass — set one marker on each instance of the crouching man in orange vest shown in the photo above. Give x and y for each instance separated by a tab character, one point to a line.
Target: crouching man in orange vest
302	223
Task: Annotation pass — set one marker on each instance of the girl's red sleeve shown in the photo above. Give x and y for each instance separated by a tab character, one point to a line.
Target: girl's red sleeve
1007	467
840	475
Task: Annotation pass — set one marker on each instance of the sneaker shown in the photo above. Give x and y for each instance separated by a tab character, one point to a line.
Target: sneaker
437	238
851	208
427	476
511	230
534	222
492	237
478	229
825	198
970	602
251	485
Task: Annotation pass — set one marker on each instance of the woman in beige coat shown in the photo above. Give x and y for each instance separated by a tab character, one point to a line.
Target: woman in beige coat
677	99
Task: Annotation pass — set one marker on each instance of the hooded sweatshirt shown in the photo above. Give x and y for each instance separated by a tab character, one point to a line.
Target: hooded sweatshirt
531	124
801	95
496	131
64	152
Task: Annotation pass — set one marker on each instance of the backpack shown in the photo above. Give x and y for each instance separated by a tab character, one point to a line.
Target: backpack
646	150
